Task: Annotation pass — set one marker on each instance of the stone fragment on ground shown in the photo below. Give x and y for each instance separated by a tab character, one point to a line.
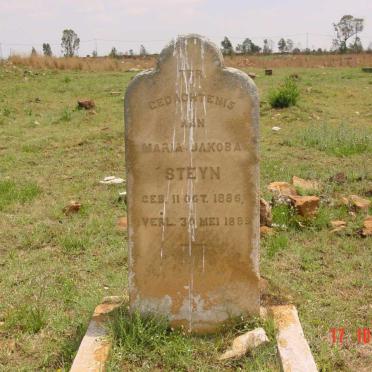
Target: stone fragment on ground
266	230
123	197
252	75
358	203
72	207
86	104
282	189
265	213
338	223
276	129
242	344
112	180
122	223
367	227
305	206
306	185
337	226
94	349
294	351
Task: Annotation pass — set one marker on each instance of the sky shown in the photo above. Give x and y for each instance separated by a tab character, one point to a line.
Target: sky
126	24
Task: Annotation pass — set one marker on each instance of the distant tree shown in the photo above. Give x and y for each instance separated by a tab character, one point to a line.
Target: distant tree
94	54
335	47
369	49
282	45
347	27
131	52
289	45
296	51
47	50
33	52
227	48
356	46
113	53
268	46
70	43
248	47
142	51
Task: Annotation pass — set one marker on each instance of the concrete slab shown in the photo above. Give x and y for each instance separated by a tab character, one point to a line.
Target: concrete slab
294	351
95	348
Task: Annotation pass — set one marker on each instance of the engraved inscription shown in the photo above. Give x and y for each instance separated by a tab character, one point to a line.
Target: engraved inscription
203	98
193	173
196	222
195	147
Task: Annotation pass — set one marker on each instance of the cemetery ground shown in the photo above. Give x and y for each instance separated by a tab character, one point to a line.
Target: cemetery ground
57	264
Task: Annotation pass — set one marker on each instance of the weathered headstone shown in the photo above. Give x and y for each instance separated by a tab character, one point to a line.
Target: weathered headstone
192	182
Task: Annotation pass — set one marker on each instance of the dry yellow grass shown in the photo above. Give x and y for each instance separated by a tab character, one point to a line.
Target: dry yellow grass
258	61
83	63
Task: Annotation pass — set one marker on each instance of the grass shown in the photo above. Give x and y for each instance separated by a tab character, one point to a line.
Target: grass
147	342
340	140
54	268
285	95
11	193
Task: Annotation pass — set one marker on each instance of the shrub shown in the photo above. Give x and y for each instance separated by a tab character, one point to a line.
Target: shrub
286	95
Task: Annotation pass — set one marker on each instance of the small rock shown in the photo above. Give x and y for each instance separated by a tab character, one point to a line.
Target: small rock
338	223
268	72
305	206
338	178
86	104
112	180
276	129
123	197
115	93
73	207
252	75
122	223
337	229
245	342
359	203
367	227
265	213
266	230
306	185
282	189
344	201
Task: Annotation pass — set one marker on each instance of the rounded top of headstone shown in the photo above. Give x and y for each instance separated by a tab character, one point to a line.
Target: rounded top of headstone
191	47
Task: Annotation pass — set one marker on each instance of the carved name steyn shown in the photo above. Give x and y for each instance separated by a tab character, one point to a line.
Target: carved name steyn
192	183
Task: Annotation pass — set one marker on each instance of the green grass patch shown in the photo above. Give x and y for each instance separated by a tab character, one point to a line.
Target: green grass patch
11	193
285	96
146	342
339	140
28	318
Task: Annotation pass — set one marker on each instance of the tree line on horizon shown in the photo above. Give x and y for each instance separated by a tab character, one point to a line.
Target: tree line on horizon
347	39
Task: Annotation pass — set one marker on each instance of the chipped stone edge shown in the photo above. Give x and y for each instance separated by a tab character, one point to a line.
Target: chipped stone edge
95	347
293	349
